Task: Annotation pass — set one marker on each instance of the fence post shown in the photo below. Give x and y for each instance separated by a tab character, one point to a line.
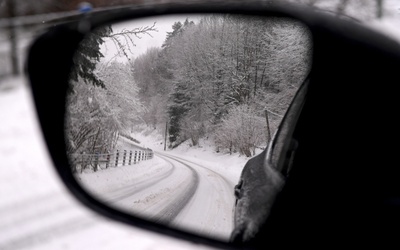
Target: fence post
116	158
130	157
124	158
135	159
108	160
96	159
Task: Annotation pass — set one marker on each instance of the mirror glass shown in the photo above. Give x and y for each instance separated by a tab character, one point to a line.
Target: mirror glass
163	113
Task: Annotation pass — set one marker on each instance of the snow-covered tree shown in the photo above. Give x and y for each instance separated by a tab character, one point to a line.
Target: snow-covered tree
242	130
151	76
357	9
88	56
221	63
103	99
97	116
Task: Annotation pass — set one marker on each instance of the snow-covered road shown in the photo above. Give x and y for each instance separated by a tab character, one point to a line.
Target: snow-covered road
172	190
209	209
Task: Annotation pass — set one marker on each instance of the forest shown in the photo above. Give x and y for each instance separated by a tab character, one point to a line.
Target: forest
225	78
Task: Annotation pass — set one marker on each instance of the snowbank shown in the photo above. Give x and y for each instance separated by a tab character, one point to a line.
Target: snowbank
110	179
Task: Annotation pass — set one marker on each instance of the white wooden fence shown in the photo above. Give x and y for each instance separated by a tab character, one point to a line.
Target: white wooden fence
119	158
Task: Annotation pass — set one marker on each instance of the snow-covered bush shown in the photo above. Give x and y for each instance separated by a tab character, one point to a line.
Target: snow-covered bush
241	130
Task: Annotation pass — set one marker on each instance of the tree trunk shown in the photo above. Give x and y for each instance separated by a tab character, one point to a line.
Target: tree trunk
13	39
246	151
379	9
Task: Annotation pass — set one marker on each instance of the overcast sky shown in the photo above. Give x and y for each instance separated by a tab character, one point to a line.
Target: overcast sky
162	23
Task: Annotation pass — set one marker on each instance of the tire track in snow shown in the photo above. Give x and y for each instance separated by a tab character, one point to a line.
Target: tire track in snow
140	186
228	183
213	212
168	213
68	219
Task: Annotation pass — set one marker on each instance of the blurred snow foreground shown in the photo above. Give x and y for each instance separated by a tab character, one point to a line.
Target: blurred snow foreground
36	212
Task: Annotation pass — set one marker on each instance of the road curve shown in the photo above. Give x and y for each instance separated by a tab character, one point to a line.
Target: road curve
158	191
169	212
210	210
130	190
171	190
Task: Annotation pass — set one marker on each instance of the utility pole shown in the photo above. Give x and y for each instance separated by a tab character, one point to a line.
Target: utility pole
165	137
12	33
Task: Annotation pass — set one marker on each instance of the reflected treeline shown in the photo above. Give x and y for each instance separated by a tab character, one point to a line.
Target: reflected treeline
226	78
102	101
96	117
215	79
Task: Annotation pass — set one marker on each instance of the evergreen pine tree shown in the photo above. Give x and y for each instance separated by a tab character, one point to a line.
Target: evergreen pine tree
88	55
176	112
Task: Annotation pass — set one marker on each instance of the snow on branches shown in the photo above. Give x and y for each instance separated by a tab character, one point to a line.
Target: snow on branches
222	73
103	98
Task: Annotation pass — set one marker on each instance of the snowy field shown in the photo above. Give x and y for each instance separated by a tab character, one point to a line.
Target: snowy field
37	212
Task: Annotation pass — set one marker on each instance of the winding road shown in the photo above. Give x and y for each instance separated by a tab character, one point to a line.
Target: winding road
183	194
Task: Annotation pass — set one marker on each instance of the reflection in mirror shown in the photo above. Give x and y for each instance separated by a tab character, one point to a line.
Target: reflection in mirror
163	112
